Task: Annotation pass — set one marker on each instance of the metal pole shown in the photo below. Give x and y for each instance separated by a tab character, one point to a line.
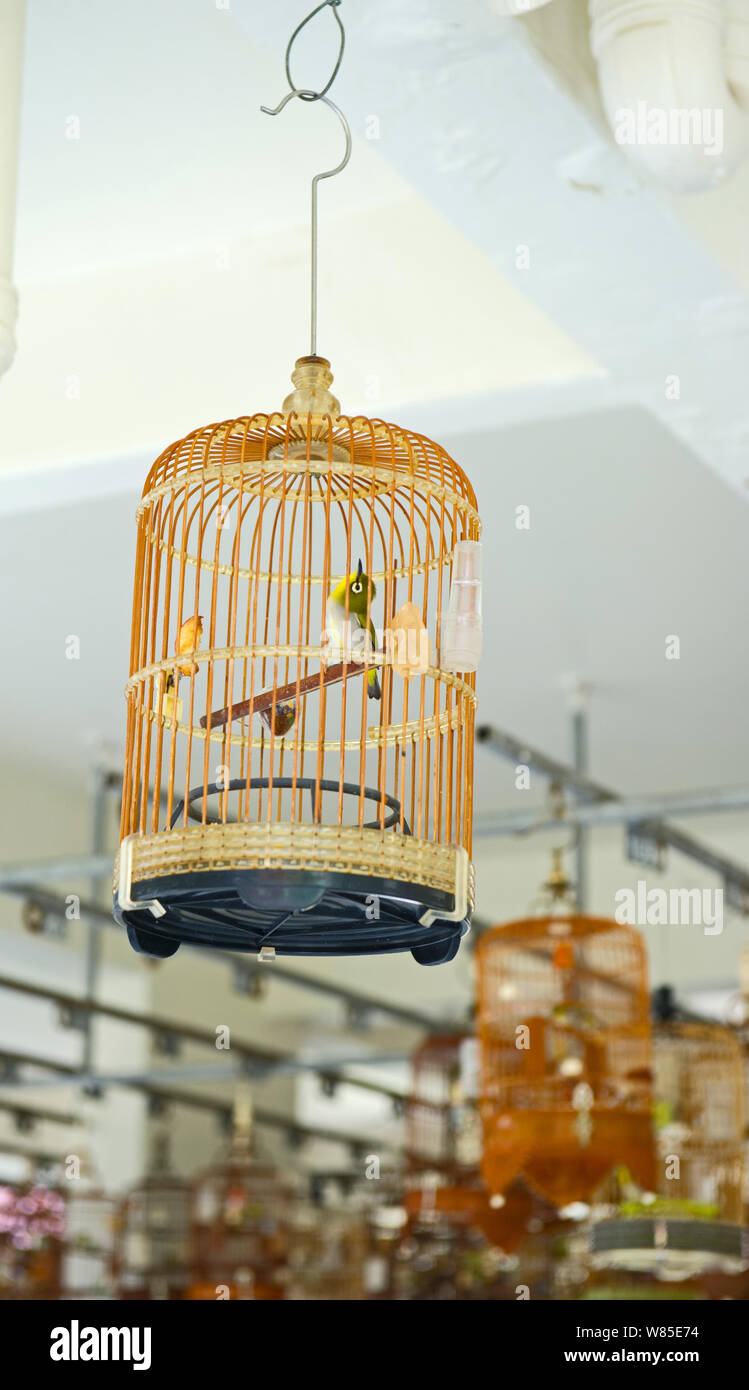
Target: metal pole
24	876
658	832
166	1032
93	937
580	763
719	801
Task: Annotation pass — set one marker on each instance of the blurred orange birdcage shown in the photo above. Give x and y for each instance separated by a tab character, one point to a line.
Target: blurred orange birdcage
300	703
565	1054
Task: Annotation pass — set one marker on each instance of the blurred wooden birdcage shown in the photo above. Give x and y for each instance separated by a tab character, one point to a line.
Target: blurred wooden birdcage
442	1128
32	1234
443	1146
240	1223
152	1233
329	1250
700	1116
744	973
690	1221
87	1270
270	802
550	1262
565	1054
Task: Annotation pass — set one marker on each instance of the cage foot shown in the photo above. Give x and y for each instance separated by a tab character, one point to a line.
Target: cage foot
440	952
148	943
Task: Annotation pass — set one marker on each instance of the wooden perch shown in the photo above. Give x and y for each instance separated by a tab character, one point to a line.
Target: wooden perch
266	699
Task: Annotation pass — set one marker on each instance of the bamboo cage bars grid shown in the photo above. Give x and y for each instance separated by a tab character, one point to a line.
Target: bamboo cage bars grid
247	525
151	1249
241	1224
441	1120
699	1073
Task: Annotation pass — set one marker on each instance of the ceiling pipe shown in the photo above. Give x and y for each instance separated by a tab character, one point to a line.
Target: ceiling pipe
511	7
674	80
12	34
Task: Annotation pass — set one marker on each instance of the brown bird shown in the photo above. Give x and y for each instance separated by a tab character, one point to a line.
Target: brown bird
188	640
280	719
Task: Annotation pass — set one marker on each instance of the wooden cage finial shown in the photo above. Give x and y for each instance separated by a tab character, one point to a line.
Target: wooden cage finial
312	378
242	1117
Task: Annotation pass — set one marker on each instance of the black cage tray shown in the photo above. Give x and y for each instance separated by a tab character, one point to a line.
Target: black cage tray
298	912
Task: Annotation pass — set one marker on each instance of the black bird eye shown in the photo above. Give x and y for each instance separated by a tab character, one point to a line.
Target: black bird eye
356	588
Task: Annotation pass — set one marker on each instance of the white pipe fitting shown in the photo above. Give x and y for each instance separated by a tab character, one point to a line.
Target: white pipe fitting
12	33
674	79
512	7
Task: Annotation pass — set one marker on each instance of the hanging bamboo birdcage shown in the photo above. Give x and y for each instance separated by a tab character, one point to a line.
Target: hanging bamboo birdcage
690	1221
566	1080
300	705
350	830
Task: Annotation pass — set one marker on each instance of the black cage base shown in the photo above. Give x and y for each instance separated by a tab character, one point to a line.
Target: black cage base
665	1242
297	912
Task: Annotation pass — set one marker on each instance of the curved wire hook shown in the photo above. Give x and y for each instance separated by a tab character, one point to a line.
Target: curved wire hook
307	95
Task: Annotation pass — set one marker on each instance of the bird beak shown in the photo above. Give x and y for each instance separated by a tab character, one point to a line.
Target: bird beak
359	572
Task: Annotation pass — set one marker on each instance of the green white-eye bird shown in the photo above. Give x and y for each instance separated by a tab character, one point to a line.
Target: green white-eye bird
361	593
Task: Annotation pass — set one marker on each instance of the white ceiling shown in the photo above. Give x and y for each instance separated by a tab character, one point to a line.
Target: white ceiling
546	383
163	256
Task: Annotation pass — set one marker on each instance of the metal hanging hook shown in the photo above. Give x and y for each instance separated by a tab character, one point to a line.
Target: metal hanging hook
307	95
326	174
